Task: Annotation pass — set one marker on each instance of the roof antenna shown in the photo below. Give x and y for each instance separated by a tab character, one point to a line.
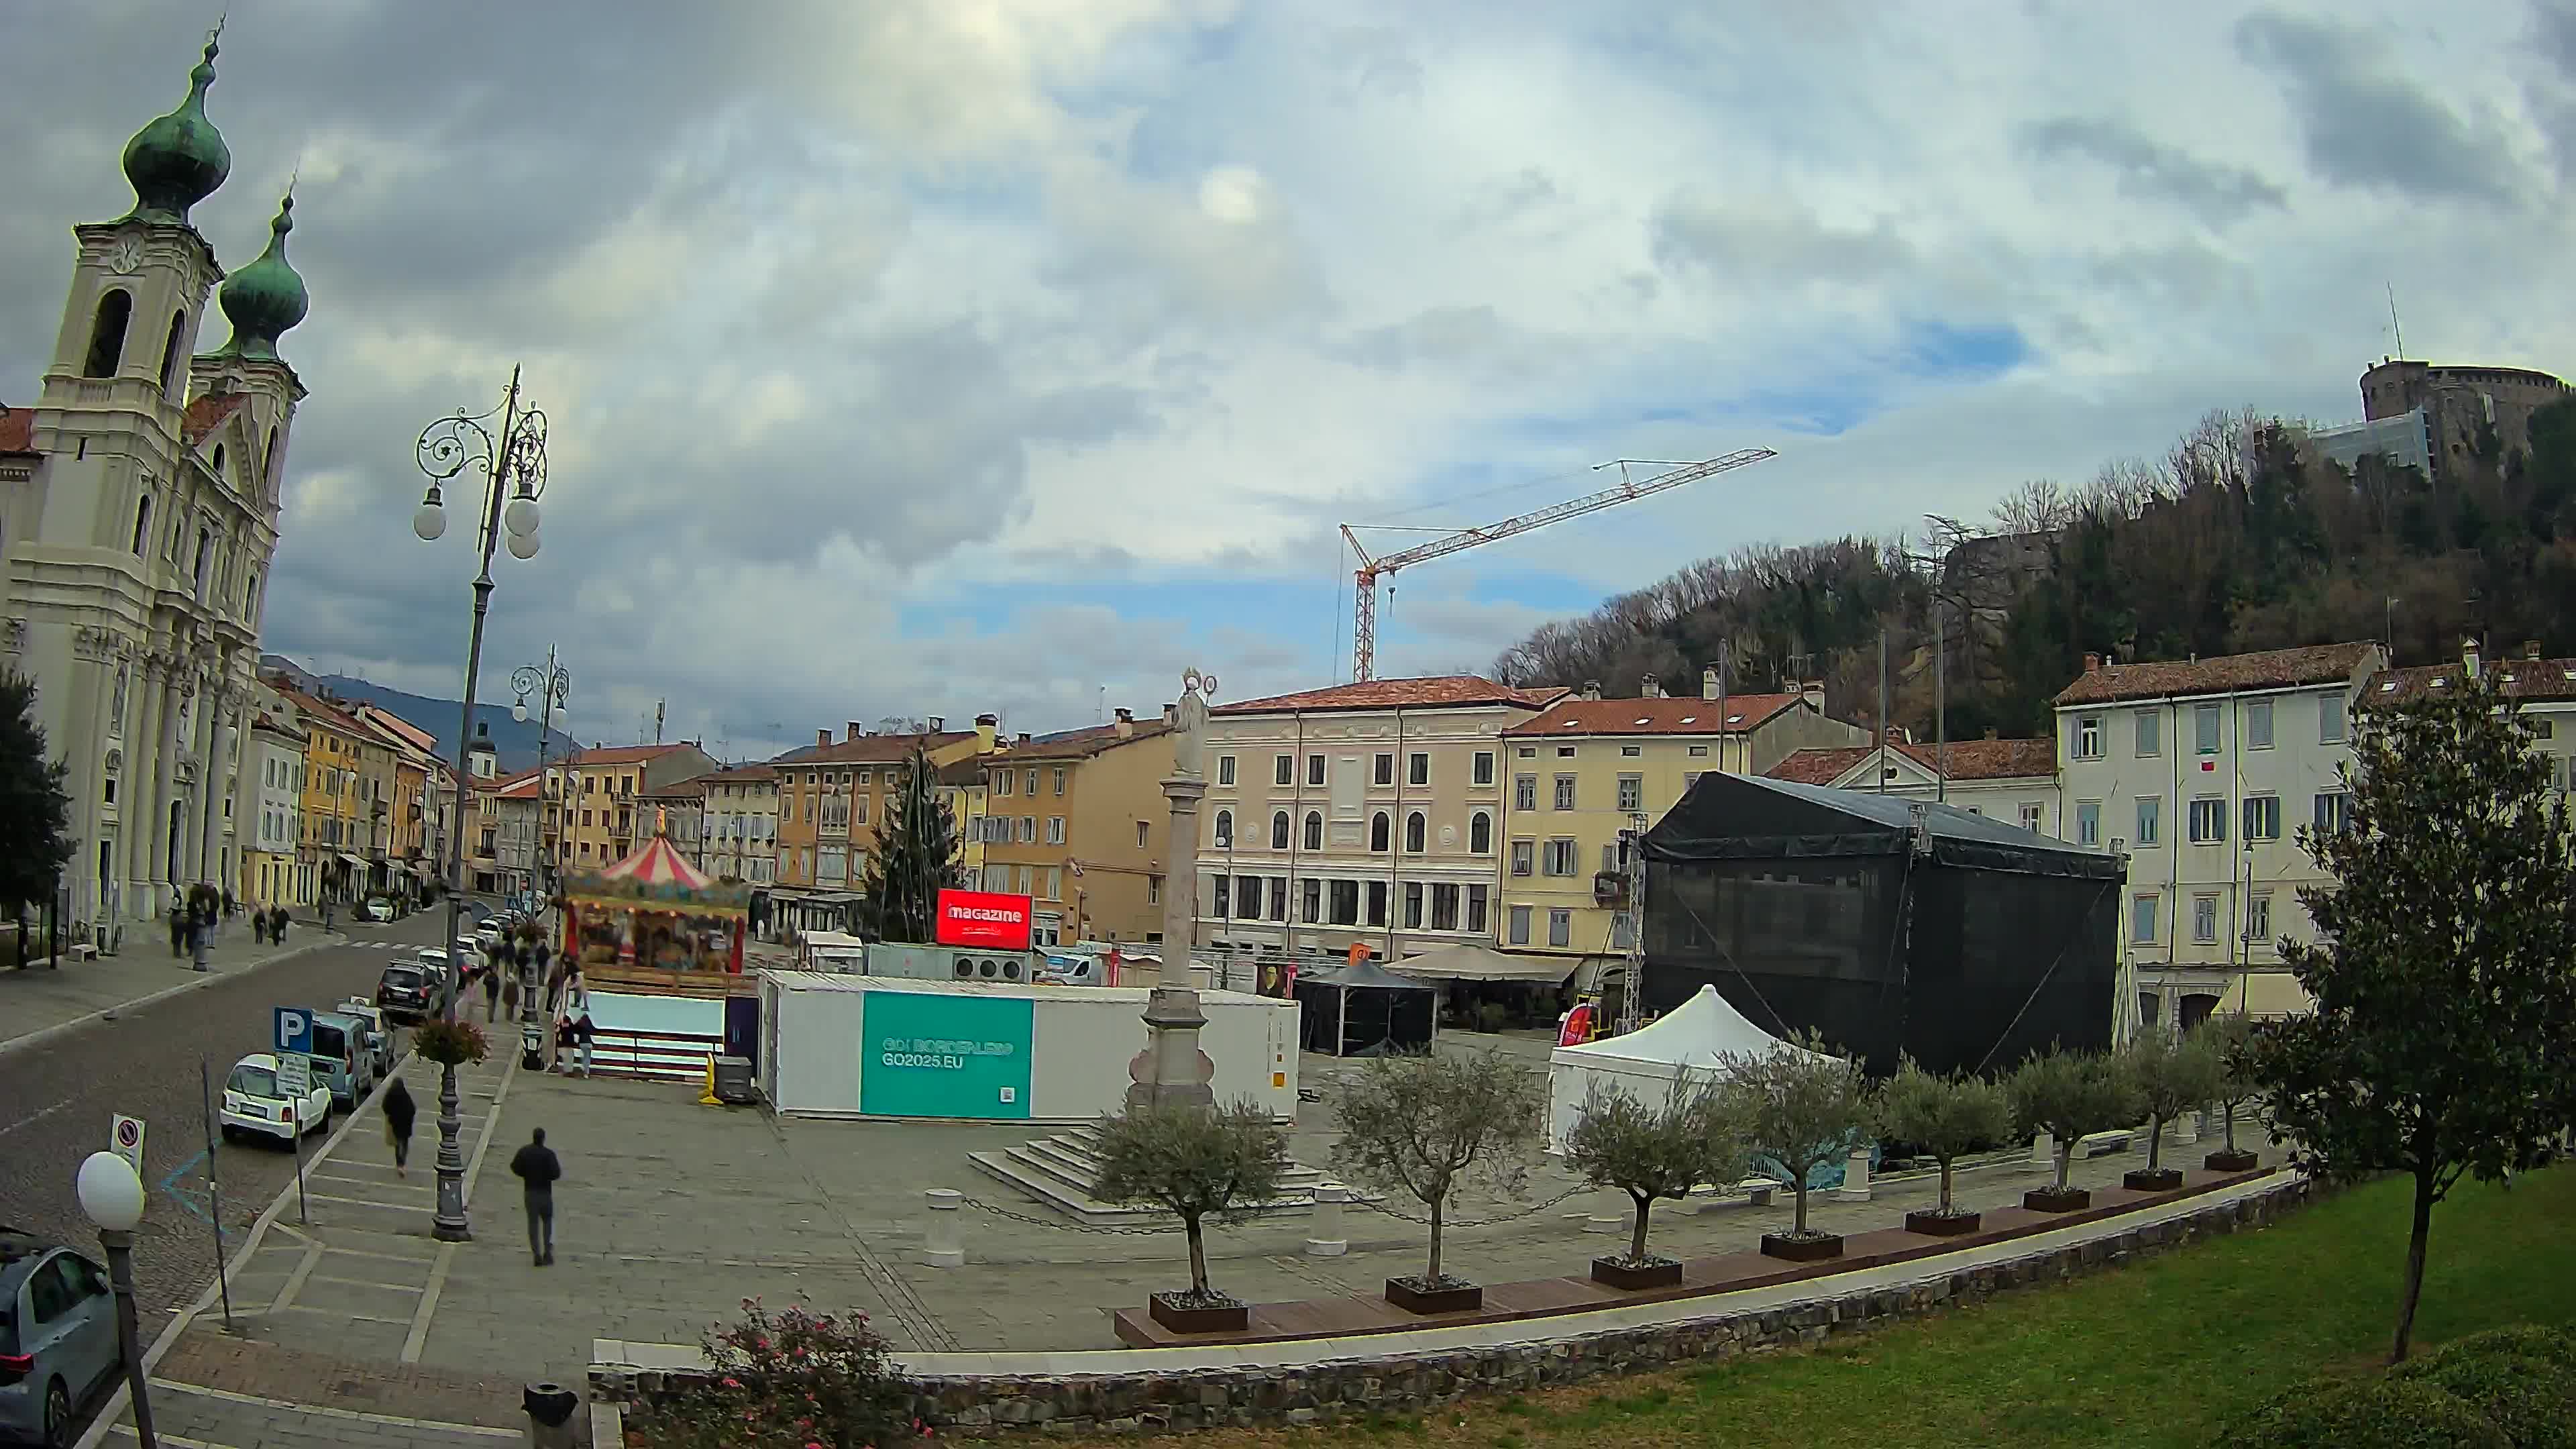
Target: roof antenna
2400	332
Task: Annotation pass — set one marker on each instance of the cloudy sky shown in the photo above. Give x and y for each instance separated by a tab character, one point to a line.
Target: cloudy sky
934	356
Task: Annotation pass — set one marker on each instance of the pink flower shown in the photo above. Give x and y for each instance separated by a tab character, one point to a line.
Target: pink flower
732	1382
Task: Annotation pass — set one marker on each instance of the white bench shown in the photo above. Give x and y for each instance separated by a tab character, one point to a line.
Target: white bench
1755	1191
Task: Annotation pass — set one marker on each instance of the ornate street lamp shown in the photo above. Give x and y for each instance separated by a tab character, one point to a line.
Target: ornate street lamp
112	1197
514	478
554	684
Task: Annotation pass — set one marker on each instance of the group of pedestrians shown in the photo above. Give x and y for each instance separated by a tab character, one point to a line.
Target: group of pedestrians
535	1165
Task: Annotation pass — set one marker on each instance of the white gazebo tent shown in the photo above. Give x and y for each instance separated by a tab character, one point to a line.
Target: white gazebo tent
1685	1043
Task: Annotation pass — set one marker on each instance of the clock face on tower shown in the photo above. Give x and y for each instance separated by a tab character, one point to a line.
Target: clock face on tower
125	255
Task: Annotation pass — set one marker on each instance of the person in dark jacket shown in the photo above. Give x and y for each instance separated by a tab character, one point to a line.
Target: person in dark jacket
492	982
538	1170
399	1112
277	924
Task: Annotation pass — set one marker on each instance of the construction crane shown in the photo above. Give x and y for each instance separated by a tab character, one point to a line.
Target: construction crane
1364	623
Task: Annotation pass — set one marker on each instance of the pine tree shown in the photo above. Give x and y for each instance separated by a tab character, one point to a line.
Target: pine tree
35	810
2443	1040
915	856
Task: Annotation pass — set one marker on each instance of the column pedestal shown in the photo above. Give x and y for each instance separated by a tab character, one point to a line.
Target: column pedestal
1171	1071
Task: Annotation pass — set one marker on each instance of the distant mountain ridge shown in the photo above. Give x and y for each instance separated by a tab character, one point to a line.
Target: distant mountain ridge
514	743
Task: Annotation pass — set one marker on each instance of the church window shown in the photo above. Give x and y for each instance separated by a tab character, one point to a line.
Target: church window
268	466
142	523
205	554
170	352
219	463
107	334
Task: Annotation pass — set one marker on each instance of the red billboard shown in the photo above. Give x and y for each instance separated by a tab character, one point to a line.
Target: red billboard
984	920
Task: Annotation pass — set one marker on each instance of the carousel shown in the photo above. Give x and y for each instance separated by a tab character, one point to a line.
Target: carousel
654	913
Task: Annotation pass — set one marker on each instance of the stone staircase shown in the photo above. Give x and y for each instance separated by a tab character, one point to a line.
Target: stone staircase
1060	1171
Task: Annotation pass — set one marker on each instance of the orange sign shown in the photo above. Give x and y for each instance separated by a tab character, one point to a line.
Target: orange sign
1359	953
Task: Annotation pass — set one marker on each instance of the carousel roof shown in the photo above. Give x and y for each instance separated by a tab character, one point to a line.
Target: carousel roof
657	863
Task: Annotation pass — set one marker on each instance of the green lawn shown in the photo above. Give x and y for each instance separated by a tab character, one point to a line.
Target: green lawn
2157	1353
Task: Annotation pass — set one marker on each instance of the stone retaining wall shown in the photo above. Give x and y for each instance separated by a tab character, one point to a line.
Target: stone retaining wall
1409	1383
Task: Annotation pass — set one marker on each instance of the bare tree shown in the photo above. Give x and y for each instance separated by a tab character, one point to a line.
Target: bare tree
1425	1125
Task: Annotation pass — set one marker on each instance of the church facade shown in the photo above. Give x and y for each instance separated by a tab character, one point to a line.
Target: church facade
139	502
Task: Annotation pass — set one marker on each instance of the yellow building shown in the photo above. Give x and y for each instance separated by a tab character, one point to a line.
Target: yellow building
832	798
963	789
604	821
338	756
1584	769
1078	821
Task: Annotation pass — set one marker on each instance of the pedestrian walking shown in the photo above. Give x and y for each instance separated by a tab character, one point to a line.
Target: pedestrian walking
491	988
277	924
230	905
399	1112
259	927
538	1170
178	928
554	978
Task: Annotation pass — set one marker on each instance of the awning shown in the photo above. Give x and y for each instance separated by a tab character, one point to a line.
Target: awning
425	872
359	861
1469	962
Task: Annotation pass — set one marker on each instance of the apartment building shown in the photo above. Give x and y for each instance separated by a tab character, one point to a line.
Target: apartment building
1586	769
501	841
2012	780
2202	770
831	801
677	810
963	788
1367	814
2543	690
272	872
343	763
741	821
1079	822
603	819
415	854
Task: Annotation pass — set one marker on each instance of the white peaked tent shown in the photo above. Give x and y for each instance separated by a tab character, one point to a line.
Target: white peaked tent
1684	1044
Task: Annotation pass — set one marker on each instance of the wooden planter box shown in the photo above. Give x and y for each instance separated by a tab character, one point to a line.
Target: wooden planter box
1199	1318
1942	1225
2225	1161
2151	1179
1654	1273
2050	1200
1801	1250
1463	1298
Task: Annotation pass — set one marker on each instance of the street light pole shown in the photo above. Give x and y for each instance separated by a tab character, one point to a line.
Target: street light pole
112	1196
556	685
447	448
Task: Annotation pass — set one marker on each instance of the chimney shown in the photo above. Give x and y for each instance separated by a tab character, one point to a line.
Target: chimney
822	739
2469	655
987	726
1126	725
1708	682
2092	663
1650	688
1172	714
854	730
1814	693
939	724
1990	732
1592	689
2530	648
1024	737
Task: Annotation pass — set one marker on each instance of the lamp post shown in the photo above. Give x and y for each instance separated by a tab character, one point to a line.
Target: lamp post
554	683
514	477
112	1196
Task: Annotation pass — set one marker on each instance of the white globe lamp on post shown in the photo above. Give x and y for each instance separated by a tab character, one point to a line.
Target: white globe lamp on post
112	1197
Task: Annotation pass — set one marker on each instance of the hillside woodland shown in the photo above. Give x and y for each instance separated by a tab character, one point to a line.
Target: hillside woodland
2238	538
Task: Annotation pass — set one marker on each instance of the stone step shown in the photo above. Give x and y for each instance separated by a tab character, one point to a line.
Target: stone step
1075	1201
1078	1164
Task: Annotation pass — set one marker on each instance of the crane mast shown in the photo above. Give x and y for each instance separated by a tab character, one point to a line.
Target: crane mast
1364	619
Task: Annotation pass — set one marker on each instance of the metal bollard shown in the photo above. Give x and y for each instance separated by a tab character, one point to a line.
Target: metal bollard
550	1409
2043	1152
1855	1186
943	1233
1325	1235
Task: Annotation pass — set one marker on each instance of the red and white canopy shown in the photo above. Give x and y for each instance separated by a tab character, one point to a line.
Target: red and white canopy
655	864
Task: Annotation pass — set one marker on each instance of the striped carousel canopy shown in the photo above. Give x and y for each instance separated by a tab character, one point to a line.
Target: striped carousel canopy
657	864
658	878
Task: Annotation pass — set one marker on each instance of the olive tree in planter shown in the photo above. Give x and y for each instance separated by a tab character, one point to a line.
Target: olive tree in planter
2171	1076
1651	1153
1195	1165
1801	1107
2230	1039
1424	1126
1947	1118
2068	1095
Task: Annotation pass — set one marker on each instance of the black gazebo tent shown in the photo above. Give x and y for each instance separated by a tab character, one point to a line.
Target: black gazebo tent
1363	1011
1890	925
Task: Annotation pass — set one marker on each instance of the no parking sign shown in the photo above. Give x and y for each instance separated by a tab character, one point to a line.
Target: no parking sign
125	1139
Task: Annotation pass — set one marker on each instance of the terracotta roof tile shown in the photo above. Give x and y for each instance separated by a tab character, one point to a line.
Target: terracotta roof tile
17	430
330	715
207	414
621	754
1084	743
2270	669
1665	716
966	772
1968	760
742	775
2551	679
694	788
1433	692
873	749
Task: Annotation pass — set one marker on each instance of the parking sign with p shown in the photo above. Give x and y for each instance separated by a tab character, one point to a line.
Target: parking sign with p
294	1030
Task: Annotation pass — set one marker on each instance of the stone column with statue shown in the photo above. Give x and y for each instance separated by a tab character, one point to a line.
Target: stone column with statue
1172	1071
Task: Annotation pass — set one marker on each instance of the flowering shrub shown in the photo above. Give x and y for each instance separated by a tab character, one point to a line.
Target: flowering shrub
450	1043
795	1378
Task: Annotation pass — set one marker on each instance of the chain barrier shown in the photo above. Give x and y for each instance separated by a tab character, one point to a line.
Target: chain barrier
1447	1223
1065	1227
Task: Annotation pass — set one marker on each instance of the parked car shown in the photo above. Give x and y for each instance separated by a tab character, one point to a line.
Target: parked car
58	1344
254	1106
380	1032
341	1057
377	908
406	992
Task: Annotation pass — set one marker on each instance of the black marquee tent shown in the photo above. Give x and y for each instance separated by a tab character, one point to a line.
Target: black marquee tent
1889	925
1363	1011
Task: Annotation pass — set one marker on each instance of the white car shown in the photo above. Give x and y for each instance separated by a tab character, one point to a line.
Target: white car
253	1106
377	909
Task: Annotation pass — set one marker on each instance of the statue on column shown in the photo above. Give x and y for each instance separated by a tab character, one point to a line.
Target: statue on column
1189	722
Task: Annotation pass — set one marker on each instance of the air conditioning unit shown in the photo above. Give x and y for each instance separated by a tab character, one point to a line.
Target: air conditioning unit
948	963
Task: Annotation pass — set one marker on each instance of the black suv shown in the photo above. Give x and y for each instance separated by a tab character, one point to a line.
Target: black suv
406	992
